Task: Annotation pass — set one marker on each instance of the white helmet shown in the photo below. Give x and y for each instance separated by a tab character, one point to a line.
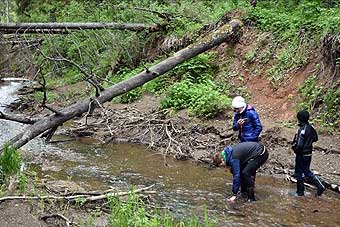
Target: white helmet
238	102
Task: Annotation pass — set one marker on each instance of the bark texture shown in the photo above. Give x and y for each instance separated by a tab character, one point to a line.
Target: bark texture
59	27
227	33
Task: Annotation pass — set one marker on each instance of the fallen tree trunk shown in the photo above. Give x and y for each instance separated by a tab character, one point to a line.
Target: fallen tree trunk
40	27
18	118
228	32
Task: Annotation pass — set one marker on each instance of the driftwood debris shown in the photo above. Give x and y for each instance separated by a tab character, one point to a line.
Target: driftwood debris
13	28
228	32
85	197
173	136
57	215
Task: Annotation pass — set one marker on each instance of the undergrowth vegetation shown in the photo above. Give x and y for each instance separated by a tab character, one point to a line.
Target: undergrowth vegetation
291	30
134	212
10	167
315	96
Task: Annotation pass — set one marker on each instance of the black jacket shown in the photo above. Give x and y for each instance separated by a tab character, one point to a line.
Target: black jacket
304	138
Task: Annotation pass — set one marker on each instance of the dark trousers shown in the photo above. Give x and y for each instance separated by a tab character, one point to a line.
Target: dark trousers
248	173
302	167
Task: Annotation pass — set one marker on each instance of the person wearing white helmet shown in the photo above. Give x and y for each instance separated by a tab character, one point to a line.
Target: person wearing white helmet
246	120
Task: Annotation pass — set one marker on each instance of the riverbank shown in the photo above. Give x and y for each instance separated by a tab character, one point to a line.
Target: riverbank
185	137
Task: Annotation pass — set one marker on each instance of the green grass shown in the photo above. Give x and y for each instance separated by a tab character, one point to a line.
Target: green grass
10	161
134	213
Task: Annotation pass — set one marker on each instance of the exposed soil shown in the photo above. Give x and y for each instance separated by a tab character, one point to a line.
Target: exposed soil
186	137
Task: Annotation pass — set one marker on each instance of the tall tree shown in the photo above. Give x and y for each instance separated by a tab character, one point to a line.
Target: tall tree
227	33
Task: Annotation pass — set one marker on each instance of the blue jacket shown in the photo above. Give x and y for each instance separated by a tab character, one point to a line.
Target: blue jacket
252	127
237	155
235	168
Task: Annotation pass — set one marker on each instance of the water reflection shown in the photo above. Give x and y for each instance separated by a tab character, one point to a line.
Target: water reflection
183	187
186	188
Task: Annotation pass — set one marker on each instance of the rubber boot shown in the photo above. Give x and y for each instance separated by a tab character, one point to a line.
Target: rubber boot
300	188
320	187
251	195
244	192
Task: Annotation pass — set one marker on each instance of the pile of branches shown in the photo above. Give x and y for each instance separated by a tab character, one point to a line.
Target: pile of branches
175	136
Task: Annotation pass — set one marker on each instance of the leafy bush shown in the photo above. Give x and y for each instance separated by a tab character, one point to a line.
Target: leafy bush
131	96
286	18
310	93
332	103
198	69
326	101
10	161
203	100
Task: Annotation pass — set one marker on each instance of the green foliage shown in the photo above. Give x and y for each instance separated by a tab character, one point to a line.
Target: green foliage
292	55
198	69
196	89
310	92
331	116
10	164
326	101
250	56
10	161
80	201
203	100
50	96
135	94
118	55
286	18
22	182
158	85
133	212
130	213
131	96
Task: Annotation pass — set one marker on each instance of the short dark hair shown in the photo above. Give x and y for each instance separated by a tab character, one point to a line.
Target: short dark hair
303	116
217	159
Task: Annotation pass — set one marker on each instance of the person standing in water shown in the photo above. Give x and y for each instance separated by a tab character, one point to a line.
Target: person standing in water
302	146
243	159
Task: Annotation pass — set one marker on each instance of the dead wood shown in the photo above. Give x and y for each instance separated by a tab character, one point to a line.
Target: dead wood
331	186
13	28
18	118
224	34
168	135
46	216
21	42
85	197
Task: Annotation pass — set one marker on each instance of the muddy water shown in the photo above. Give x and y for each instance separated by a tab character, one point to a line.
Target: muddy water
182	187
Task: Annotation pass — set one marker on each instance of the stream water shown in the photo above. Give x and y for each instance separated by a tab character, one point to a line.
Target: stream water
183	187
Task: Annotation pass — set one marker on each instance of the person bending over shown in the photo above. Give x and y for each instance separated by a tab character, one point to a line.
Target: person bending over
243	159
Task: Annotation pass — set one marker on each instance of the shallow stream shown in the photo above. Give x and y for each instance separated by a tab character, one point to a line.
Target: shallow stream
182	187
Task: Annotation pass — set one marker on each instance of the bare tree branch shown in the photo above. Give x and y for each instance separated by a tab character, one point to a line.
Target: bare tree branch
18	118
225	33
62	27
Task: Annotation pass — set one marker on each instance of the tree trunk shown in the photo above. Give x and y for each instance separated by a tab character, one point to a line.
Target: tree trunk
50	27
227	33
